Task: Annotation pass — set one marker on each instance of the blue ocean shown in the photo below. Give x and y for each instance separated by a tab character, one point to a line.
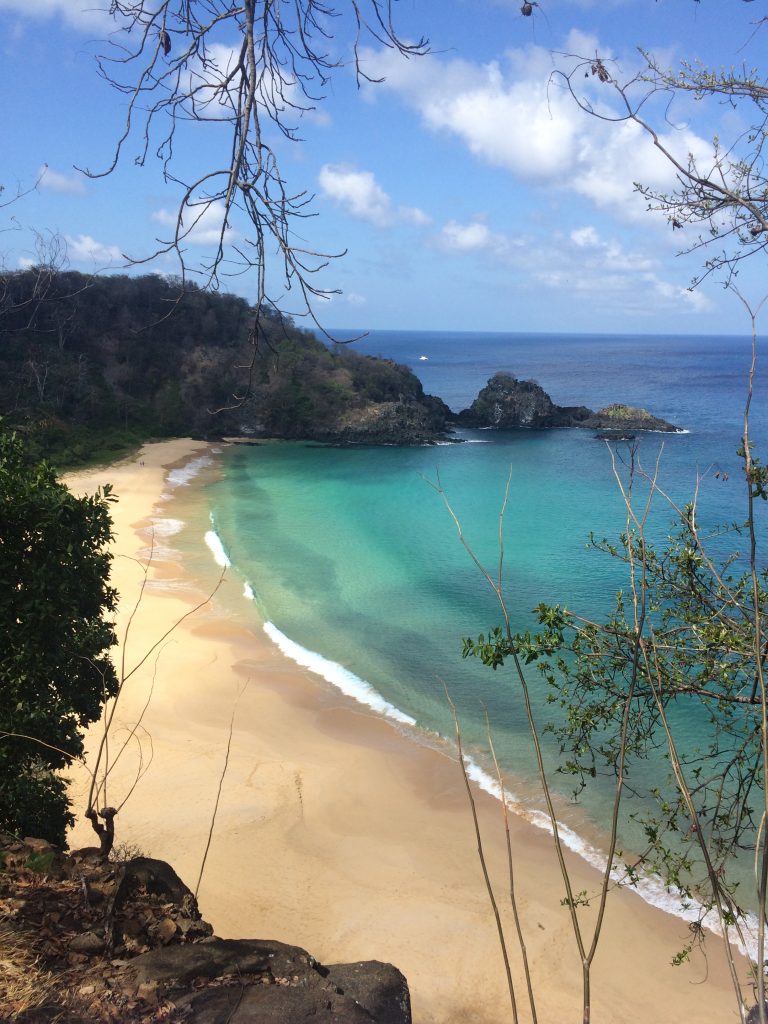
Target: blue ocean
354	562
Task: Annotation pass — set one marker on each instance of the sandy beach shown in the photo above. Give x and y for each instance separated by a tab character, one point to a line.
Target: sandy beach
334	830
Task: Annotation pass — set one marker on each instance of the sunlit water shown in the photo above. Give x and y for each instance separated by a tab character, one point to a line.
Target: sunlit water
355	563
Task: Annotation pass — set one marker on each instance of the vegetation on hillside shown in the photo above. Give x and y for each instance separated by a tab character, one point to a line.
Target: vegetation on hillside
90	365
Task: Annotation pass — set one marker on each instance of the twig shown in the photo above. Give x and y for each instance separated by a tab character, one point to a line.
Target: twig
218	791
481	856
510	863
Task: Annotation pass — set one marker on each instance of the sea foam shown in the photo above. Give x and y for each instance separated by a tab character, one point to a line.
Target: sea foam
650	888
340	677
213	541
159	530
350	684
182	476
162	527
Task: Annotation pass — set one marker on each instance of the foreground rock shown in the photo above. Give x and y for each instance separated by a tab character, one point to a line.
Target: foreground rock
98	941
240	980
506	403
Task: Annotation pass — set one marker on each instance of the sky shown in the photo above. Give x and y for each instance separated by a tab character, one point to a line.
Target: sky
467	190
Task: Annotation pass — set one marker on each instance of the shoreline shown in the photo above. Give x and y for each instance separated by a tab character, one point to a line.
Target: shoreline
335	831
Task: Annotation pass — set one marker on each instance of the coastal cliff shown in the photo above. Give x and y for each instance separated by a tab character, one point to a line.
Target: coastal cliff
506	403
342	398
94	366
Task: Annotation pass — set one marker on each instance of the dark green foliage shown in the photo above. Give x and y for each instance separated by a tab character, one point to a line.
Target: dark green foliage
82	356
54	670
306	389
91	366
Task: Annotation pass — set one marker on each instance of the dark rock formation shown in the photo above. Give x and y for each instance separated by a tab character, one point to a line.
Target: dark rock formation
126	942
381	988
625	418
399	423
150	904
223	980
360	400
506	403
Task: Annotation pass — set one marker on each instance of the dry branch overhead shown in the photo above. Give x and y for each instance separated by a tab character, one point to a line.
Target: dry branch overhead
231	76
719	197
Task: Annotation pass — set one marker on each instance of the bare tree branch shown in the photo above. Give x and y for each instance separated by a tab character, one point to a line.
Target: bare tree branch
722	195
237	71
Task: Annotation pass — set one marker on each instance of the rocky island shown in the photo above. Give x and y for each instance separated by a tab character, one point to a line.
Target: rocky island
506	403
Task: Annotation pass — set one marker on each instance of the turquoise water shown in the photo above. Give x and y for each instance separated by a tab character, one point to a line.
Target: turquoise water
352	554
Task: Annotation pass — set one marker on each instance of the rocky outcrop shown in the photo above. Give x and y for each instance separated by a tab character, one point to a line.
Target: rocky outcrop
359	400
622	418
107	941
403	422
397	423
506	403
248	980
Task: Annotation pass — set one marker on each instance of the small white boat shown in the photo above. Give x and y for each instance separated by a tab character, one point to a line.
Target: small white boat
423	358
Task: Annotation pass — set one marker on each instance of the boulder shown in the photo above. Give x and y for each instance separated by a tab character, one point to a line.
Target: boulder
151	905
380	988
250	980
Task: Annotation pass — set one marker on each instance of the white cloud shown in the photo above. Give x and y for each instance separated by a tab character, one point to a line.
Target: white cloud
610	255
413	215
471	237
200	225
361	195
52	181
85	249
355	299
695	301
585	238
80	14
514	115
598	270
358	192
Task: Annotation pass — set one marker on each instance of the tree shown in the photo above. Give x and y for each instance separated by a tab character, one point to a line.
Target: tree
55	673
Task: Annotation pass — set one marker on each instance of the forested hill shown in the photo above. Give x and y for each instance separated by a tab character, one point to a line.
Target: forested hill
109	360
